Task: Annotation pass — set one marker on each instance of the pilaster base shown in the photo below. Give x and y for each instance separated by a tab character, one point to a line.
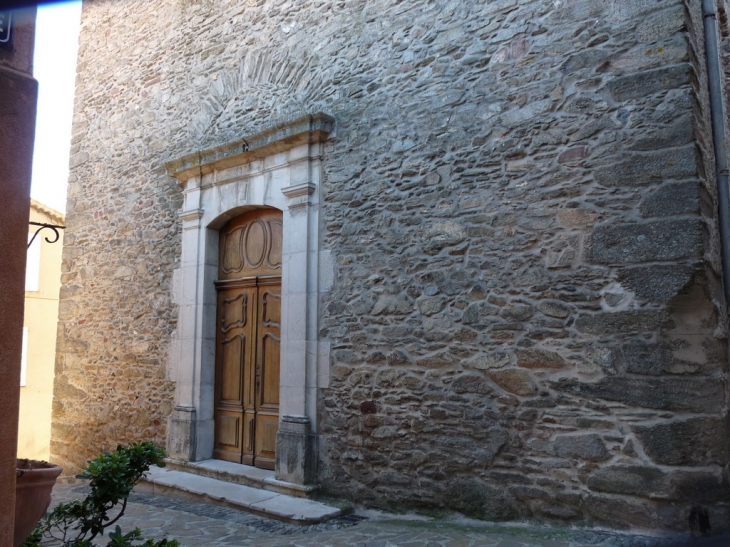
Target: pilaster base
295	451
181	434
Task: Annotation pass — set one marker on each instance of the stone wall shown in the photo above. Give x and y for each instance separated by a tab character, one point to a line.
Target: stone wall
526	319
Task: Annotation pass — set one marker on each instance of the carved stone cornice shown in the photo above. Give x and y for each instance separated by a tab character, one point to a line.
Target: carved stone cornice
281	136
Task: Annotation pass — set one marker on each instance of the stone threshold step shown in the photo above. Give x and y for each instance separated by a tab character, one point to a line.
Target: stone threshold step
242	474
174	483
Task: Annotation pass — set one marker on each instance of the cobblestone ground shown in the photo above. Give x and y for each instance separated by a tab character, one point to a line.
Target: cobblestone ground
197	524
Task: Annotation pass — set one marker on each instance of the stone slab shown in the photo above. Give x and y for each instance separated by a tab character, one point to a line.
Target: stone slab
254	500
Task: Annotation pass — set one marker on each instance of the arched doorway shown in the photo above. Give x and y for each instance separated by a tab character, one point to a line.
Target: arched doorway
248	338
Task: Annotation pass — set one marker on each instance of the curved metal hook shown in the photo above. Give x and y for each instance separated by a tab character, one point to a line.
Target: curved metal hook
54	227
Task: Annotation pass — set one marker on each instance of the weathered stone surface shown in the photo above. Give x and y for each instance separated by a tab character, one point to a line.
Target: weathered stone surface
609	509
538	358
704	395
519	382
576	217
658	283
586	447
554	308
642	169
700	486
485	361
632	243
695	442
471	383
641	84
648	359
635	480
478	499
671	199
621	322
392	305
429	306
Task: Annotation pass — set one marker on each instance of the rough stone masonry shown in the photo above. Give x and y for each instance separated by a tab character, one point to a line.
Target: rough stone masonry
527	319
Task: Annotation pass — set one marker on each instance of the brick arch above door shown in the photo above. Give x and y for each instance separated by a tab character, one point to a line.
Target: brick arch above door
278	168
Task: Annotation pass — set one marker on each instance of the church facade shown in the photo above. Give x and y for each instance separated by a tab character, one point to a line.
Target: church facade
460	255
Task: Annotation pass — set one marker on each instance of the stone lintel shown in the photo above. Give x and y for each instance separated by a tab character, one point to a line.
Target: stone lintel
282	136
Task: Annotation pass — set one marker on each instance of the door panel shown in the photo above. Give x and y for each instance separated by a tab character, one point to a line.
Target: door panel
235	349
249	339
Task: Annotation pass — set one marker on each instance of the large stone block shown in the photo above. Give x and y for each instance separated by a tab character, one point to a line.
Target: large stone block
703	487
620	511
643	169
632	243
672	199
696	395
642	84
657	283
622	322
645	358
475	498
587	447
695	442
634	480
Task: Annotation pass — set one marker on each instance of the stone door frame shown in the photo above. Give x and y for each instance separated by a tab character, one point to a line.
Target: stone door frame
279	168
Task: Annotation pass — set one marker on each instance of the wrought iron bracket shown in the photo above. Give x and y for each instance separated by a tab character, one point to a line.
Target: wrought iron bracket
41	226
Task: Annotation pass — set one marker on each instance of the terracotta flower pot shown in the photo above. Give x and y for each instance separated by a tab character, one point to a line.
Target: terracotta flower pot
34	481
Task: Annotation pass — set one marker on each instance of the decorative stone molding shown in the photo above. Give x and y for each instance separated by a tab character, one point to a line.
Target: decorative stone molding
279	168
299	194
279	137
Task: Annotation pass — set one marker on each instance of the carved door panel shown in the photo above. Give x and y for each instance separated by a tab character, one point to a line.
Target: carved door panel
248	339
268	338
235	349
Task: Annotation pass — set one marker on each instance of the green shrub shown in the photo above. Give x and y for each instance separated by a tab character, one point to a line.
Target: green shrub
111	478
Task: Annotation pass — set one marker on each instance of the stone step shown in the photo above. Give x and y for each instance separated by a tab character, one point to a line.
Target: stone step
242	474
177	483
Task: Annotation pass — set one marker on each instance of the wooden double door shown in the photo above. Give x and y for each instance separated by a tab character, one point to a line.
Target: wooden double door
248	339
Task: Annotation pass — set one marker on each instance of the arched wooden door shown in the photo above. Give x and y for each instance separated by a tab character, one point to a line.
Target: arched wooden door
248	336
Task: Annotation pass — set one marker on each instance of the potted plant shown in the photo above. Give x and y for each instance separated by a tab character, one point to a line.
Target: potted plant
34	482
111	477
